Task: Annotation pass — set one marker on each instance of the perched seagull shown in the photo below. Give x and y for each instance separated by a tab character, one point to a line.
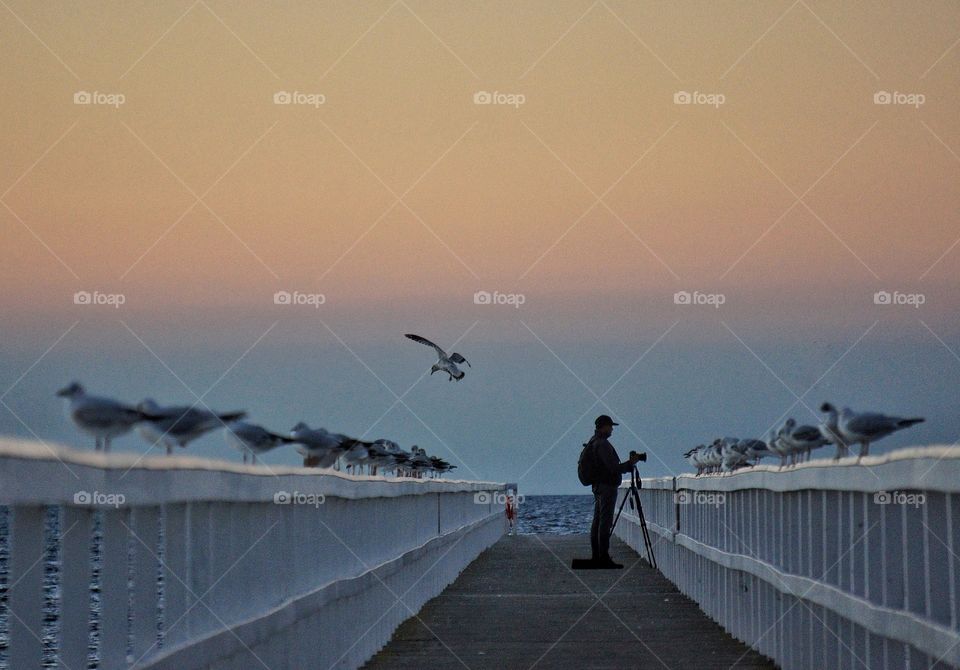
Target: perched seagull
754	450
320	448
776	445
252	439
734	454
694	458
179	426
801	440
419	460
103	418
440	466
862	427
358	456
444	363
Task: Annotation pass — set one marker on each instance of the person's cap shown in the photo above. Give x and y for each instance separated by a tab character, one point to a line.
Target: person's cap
604	420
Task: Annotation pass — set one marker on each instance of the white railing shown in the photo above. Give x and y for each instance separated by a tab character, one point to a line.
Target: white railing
824	565
247	577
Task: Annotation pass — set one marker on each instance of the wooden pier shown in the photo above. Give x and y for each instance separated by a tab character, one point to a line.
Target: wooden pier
520	606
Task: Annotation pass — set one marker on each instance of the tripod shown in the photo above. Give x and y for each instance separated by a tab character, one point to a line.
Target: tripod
633	495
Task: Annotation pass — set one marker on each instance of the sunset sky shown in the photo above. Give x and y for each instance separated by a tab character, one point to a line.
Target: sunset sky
596	197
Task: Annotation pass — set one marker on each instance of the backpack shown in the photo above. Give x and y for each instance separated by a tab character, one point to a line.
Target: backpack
587	465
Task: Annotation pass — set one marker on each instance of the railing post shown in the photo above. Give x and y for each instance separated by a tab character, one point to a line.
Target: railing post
176	538
25	587
114	549
76	568
146	529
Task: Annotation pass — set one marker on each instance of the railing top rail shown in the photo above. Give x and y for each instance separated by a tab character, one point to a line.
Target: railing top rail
932	468
44	473
653	483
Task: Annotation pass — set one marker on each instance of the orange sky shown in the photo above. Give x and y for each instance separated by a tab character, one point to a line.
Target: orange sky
493	197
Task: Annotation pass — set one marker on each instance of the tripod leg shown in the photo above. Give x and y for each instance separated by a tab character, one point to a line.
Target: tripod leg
648	545
617	518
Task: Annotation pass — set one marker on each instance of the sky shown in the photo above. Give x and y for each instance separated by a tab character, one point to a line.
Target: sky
700	218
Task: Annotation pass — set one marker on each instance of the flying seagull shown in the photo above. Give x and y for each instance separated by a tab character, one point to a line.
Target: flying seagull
104	418
249	438
179	426
444	362
851	427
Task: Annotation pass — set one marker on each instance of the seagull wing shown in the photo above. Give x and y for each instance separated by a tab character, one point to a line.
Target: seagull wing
806	433
458	358
103	413
870	423
422	340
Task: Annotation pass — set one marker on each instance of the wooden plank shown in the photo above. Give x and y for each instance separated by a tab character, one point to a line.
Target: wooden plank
520	604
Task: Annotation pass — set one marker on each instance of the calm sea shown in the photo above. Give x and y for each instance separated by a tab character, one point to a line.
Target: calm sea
557	515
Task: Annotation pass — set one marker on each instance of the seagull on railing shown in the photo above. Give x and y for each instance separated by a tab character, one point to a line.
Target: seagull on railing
777	446
419	460
861	427
734	454
179	426
104	418
249	438
440	466
693	457
358	456
319	447
754	449
444	362
801	440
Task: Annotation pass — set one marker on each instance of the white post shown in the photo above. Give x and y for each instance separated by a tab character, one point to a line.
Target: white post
76	567
25	587
146	528
113	588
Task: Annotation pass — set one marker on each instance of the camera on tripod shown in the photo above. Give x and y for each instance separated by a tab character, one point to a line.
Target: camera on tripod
642	456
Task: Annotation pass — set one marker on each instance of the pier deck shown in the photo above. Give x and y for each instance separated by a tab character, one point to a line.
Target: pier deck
520	606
